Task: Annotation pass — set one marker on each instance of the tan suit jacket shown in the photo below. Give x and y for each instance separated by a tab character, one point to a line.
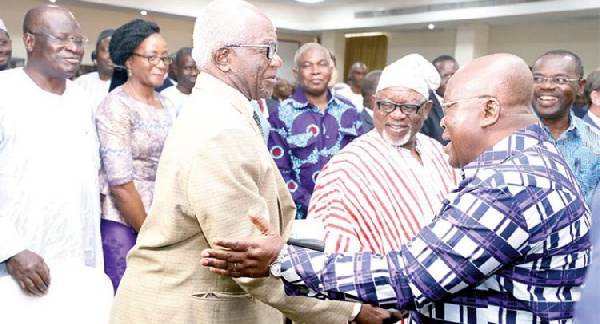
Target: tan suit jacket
213	169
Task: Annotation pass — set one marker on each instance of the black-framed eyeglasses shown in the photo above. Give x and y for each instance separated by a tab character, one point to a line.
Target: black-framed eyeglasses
407	109
64	40
271	48
538	79
449	104
154	59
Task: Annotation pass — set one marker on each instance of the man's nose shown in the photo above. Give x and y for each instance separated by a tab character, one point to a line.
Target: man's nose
276	62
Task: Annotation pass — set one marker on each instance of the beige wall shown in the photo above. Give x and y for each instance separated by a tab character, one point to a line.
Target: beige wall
527	40
531	40
176	30
430	44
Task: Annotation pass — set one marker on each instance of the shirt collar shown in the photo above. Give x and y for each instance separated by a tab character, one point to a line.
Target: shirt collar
572	129
594	118
213	85
516	142
301	99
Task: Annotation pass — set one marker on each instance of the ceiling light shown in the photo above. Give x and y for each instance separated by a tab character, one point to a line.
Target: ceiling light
144	13
310	1
431	26
53	1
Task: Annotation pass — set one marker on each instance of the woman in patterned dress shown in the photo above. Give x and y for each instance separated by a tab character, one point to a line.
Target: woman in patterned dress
132	124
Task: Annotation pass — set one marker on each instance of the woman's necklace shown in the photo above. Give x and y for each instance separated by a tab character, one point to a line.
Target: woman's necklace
153	101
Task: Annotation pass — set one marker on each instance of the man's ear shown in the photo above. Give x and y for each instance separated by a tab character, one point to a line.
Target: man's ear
295	74
427	109
490	112
582	83
29	41
222	59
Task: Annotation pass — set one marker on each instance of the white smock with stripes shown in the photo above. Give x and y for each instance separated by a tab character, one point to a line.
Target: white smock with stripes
372	196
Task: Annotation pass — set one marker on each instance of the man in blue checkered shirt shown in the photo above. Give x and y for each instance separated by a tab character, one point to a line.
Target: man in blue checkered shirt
510	244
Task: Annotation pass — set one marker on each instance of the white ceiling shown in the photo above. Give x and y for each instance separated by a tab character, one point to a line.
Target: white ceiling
291	16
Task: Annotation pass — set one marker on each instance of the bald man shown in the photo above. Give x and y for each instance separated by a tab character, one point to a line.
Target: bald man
203	186
49	193
510	245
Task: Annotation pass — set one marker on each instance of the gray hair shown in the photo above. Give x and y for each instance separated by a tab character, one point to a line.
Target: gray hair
308	46
221	23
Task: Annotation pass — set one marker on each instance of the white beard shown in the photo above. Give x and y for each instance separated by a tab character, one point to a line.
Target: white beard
400	142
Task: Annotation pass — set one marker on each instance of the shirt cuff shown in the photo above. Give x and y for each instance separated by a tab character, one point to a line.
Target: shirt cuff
275	267
355	312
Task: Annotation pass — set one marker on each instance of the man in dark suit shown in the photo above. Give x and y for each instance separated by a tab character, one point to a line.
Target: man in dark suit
431	126
367	90
446	66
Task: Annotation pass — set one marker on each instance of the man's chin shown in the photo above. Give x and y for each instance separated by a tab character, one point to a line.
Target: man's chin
548	112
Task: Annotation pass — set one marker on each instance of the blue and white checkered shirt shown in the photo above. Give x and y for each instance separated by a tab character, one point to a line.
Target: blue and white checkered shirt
510	245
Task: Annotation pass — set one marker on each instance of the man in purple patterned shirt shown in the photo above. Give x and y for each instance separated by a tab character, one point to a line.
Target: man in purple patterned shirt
510	244
311	126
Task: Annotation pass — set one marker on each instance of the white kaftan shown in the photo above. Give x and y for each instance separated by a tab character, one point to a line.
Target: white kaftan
49	193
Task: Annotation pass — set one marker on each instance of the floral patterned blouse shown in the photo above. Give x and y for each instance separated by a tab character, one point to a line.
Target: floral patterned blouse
132	135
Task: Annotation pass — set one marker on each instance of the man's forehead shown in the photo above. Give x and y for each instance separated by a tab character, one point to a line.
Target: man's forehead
358	67
564	62
314	53
60	22
463	85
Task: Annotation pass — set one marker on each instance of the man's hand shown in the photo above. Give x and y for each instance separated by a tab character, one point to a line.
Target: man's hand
371	314
248	258
30	271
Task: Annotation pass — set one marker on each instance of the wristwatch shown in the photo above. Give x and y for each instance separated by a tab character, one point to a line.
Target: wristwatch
275	267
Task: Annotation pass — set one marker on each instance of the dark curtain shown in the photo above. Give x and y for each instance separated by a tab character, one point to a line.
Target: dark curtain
371	50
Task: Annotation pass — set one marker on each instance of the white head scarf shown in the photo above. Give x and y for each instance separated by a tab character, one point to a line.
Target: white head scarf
3	26
412	71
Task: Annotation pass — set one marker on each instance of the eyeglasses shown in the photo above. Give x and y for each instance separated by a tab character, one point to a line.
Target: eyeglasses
154	59
5	42
407	109
556	80
449	104
271	48
79	41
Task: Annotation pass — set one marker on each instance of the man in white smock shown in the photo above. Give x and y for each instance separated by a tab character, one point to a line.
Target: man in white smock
49	195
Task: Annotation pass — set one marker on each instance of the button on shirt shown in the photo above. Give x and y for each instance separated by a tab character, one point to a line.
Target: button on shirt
303	138
510	245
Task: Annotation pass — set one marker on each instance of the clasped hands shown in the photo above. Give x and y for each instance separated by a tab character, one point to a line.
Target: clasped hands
252	257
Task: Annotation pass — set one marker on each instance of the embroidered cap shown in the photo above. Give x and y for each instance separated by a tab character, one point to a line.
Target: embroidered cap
3	26
412	71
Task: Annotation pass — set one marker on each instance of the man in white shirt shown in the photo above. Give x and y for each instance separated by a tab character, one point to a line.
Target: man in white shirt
186	72
356	75
49	193
97	83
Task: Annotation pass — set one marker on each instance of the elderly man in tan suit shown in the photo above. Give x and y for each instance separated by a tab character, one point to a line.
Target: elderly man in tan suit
214	169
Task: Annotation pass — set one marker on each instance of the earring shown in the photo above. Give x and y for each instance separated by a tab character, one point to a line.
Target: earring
129	72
